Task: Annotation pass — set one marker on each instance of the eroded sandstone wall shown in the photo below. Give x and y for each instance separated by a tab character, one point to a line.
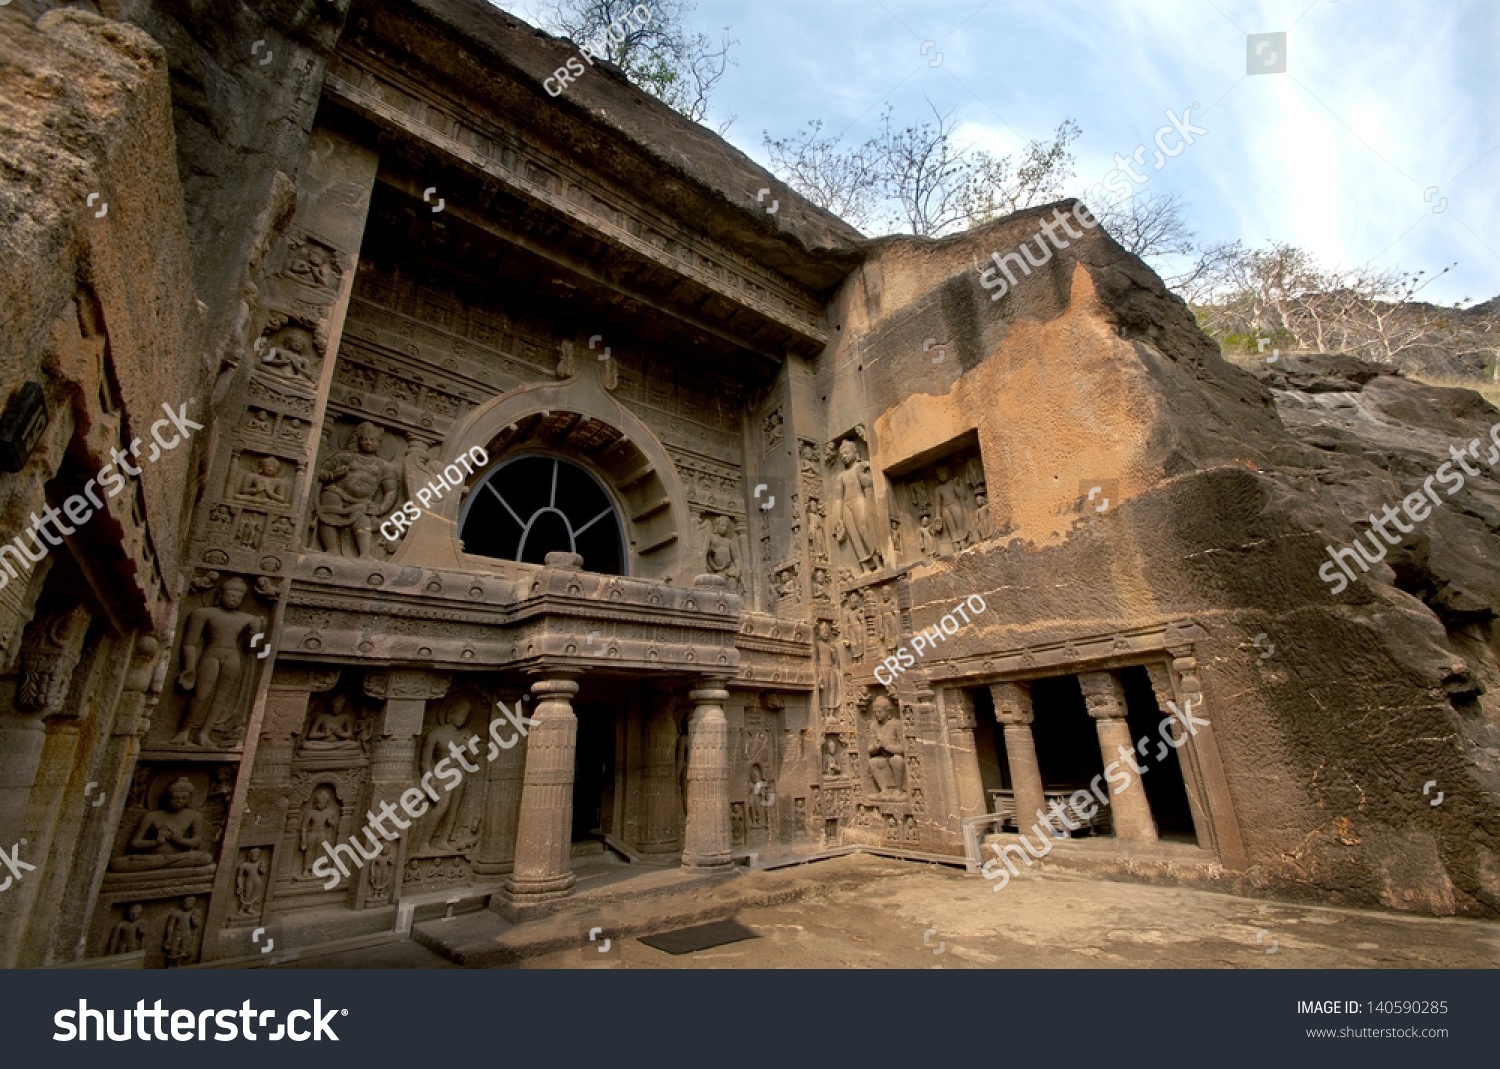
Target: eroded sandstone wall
96	282
1088	374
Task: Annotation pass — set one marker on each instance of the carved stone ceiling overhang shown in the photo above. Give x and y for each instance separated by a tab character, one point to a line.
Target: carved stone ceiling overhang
1115	649
492	177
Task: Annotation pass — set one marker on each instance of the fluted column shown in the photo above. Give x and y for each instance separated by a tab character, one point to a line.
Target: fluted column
706	840
1106	704
1013	711
502	806
544	834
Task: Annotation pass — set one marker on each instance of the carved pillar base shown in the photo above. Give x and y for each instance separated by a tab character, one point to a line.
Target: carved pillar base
544	835
1013	711
706	839
1106	704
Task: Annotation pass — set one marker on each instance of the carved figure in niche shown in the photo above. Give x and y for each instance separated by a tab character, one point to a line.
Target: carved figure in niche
249	883
290	356
312	266
854	625
320	824
817	536
219	519
332	730
266	483
292	430
259	421
827	669
896	537
771	429
983	529
251	528
212	662
358	485
282	527
761	793
820	583
447	739
833	756
382	873
854	522
130	934
170	838
974	473
181	936
950	507
722	557
567	359
799	814
808	452
890	621
737	823
887	751
927	535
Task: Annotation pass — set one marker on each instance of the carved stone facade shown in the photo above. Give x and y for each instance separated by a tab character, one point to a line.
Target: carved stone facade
745	647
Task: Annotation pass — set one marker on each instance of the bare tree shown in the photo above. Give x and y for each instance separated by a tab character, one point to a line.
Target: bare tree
658	54
1148	225
844	181
917	177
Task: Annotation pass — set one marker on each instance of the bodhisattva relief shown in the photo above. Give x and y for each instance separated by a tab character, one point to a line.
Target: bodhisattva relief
886	749
448	738
170	837
214	641
951	508
827	669
319	825
853	626
180	938
722	556
249	884
358	485
129	935
854	507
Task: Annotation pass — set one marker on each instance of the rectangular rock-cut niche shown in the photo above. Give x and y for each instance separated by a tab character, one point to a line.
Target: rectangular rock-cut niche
939	501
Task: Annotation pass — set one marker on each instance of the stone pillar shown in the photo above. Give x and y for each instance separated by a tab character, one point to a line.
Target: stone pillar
502	800
706	839
1013	711
1106	703
968	785
660	799
544	835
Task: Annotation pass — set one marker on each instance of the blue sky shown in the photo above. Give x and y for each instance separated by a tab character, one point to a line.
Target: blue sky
1381	102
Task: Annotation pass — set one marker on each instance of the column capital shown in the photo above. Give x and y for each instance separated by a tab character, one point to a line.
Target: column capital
557	686
1103	695
710	690
1012	703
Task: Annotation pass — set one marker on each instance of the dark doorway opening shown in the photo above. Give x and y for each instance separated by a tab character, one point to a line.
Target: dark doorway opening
1161	775
989	746
1067	743
594	772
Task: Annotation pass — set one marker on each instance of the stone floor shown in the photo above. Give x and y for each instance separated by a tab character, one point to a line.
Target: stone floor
869	912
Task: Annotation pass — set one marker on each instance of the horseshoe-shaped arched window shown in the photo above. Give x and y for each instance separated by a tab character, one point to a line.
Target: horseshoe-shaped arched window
530	506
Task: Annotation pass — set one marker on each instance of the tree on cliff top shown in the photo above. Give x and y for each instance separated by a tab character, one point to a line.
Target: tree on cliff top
658	54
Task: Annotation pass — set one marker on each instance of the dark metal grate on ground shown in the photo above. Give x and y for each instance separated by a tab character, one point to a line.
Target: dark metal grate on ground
699	937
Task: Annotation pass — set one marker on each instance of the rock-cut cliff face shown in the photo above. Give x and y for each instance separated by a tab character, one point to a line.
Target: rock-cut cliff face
1225	491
